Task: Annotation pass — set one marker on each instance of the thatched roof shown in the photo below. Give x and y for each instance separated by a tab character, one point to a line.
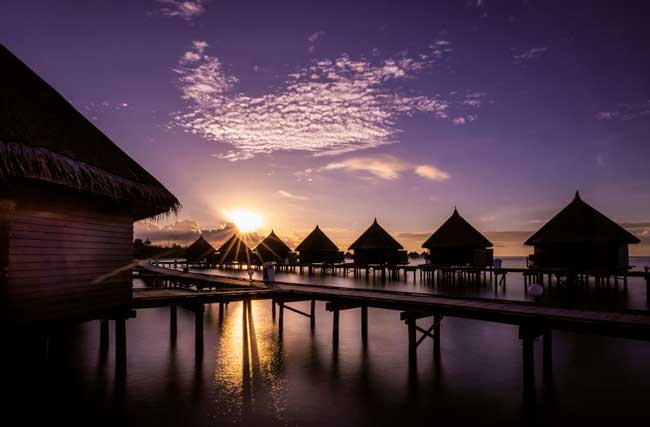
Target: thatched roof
456	232
580	223
44	138
375	237
317	241
198	250
273	244
235	249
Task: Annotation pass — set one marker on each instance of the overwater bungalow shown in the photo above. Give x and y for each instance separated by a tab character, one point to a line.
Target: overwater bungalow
272	248
458	243
376	246
200	250
581	238
235	250
317	247
68	200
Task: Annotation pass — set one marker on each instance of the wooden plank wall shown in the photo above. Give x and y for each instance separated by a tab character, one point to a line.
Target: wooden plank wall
58	260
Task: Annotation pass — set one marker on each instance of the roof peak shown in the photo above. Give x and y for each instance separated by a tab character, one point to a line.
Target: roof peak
577	196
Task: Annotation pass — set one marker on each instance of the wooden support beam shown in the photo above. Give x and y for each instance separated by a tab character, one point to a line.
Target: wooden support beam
198	328
335	328
528	334
405	315
295	310
312	321
337	306
120	346
281	317
413	351
173	328
364	324
437	319
103	335
548	355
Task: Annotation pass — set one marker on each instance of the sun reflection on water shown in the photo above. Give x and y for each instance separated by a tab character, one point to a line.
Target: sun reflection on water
248	367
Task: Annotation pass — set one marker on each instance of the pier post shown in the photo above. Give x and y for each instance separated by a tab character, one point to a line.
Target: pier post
437	318
221	309
364	324
413	347
281	317
335	327
548	355
103	335
312	319
198	329
272	308
172	324
120	346
528	333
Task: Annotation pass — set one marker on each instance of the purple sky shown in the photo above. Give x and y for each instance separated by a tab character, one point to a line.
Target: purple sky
338	112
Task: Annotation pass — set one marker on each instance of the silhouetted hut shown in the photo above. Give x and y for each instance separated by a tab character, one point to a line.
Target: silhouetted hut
581	238
235	250
376	246
272	248
457	243
200	250
68	200
317	247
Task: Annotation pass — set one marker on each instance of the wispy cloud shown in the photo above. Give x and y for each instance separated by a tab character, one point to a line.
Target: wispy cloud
626	112
314	37
386	167
187	10
288	195
530	54
330	107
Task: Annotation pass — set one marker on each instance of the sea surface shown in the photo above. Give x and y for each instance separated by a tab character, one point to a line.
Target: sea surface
256	377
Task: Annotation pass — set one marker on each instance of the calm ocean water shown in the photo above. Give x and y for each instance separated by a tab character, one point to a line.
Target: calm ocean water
300	380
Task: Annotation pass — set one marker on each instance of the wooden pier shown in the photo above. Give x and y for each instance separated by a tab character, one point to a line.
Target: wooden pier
533	320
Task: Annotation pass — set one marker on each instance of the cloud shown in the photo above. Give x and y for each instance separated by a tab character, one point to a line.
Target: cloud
386	167
626	112
431	172
187	231
314	37
288	195
530	54
186	10
332	106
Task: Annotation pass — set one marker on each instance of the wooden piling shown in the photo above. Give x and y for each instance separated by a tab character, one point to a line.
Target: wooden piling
364	324
103	335
413	349
335	327
172	324
198	328
120	346
312	319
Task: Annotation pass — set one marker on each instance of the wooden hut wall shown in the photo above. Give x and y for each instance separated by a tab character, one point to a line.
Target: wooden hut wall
592	256
460	256
66	262
380	256
330	257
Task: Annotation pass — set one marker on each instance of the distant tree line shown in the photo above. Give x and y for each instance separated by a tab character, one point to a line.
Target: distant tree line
144	249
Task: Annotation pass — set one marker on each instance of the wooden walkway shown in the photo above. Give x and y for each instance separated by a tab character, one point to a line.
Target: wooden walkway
193	290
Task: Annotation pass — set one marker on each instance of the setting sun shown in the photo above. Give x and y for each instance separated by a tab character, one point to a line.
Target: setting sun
246	221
